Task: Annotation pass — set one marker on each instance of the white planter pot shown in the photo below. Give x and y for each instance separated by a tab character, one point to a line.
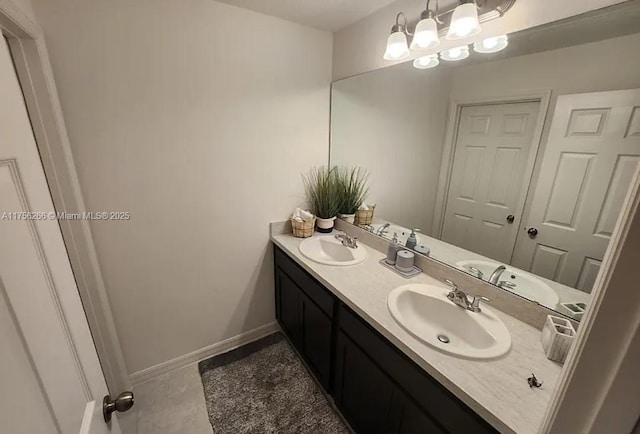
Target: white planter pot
349	218
325	225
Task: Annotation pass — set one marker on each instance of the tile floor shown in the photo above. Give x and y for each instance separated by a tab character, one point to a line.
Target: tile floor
170	404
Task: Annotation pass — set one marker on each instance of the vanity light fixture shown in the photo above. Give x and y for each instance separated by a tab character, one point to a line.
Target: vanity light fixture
464	22
491	45
426	62
455	54
397	46
426	32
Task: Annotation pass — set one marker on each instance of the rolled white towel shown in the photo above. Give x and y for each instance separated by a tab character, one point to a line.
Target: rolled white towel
301	215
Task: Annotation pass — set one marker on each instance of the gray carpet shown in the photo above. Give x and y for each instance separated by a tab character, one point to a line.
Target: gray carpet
264	388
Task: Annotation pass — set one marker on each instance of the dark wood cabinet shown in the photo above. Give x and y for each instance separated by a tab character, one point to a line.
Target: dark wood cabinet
362	391
377	388
306	324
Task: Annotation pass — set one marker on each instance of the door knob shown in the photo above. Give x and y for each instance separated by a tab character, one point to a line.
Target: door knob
511	218
122	403
532	232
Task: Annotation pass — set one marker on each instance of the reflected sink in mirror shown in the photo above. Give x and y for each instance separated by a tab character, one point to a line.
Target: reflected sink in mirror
427	313
519	282
327	250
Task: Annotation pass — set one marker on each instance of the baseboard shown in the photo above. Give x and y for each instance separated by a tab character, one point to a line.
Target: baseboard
204	353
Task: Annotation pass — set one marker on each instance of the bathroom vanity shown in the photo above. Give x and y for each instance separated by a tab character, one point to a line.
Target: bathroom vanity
383	379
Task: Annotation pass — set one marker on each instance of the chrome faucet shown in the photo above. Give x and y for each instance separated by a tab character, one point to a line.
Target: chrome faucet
383	229
495	276
461	299
347	241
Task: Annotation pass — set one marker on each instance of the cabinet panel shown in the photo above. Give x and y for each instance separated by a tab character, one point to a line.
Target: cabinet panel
316	340
316	292
363	392
288	301
409	418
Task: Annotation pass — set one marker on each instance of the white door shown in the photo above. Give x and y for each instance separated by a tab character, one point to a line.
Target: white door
492	165
50	377
591	156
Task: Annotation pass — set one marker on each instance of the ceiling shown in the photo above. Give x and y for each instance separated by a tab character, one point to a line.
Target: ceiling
329	15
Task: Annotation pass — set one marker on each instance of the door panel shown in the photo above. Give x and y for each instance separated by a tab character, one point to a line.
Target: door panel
591	156
492	164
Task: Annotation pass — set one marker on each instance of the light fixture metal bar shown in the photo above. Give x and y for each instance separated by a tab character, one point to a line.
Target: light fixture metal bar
487	10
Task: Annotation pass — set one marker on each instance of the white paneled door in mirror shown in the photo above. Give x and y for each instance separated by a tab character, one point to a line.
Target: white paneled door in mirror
591	156
50	377
492	164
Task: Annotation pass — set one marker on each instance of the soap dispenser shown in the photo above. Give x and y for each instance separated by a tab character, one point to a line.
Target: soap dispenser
393	249
412	240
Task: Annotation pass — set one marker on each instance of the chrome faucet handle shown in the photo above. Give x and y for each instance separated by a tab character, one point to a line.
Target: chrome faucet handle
475	304
506	284
453	286
479	274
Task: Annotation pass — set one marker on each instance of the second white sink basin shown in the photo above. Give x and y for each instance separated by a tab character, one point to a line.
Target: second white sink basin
327	250
522	283
425	312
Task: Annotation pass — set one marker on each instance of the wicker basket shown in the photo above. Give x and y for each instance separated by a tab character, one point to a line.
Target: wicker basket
364	216
303	229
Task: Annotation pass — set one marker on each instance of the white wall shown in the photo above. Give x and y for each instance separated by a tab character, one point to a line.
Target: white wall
359	47
392	123
197	117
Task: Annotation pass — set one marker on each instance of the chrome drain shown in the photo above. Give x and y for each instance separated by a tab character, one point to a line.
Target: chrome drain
444	339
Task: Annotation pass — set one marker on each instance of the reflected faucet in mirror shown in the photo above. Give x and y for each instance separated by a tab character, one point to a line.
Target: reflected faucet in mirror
495	276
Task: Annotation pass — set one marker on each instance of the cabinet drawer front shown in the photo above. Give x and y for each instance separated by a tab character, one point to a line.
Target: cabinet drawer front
434	399
311	288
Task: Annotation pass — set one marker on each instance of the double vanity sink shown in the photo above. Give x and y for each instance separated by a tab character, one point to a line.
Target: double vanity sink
360	325
425	311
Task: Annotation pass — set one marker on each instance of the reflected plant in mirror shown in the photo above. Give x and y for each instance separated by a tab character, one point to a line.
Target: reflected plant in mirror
352	189
515	165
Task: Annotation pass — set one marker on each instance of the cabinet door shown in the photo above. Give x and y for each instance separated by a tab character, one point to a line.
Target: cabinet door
316	340
363	392
288	308
409	418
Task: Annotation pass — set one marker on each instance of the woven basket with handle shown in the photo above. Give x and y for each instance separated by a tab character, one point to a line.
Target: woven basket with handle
364	216
303	229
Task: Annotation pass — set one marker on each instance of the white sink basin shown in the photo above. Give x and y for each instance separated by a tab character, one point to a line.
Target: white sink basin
327	250
425	312
526	285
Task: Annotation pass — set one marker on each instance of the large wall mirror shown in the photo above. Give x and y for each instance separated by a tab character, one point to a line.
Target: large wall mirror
514	165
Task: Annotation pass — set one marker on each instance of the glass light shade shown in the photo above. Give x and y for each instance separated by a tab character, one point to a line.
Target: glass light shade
397	47
426	62
491	45
455	54
426	35
464	22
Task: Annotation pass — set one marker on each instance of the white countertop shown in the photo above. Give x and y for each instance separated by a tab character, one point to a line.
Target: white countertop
495	389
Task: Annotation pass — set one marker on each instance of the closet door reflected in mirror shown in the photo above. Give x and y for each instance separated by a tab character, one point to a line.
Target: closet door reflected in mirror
493	159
